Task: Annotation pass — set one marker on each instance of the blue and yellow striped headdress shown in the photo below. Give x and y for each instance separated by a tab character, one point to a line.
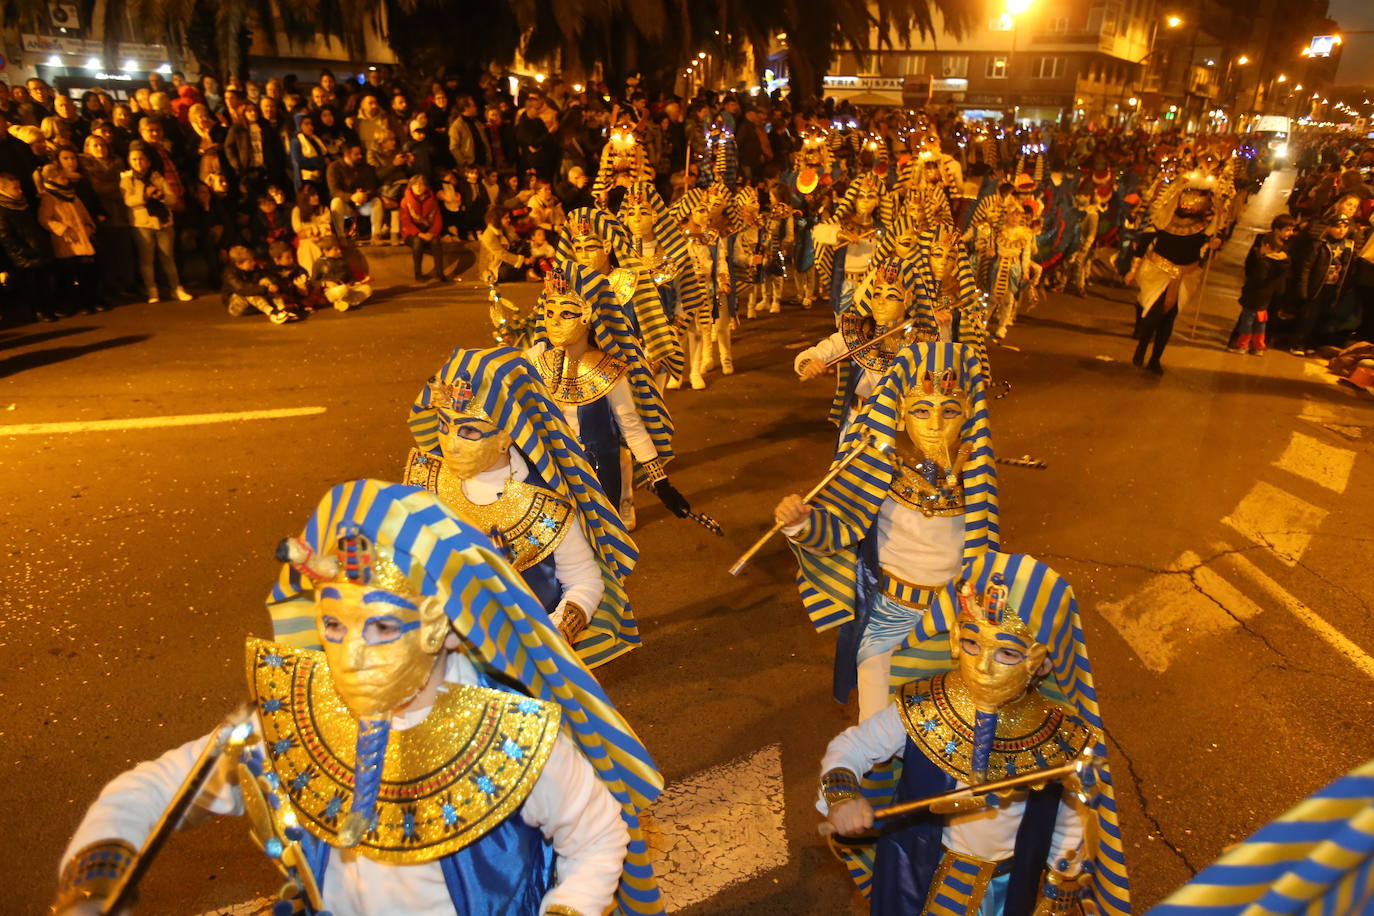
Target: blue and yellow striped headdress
1046	605
614	331
508	390
1317	859
598	222
828	584
502	626
673	244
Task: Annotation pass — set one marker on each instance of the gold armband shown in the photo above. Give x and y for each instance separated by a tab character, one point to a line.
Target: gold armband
653	470
92	872
839	785
559	909
574	621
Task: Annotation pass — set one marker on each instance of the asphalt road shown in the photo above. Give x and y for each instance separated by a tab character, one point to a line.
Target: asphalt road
1214	523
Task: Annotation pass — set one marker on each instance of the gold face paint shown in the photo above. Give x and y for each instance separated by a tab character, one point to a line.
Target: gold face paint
996	667
888	303
471	445
865	203
566	322
380	648
934	422
639	220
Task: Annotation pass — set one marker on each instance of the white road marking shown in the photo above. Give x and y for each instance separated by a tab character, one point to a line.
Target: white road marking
1333	637
1325	465
720	827
188	419
1278	520
1174	609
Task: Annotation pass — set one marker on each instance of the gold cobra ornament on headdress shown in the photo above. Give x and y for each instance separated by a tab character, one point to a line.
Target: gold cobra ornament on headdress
355	560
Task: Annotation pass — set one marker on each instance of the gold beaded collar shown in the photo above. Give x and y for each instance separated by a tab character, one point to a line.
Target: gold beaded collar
857	330
1032	734
580	382
531	520
445	782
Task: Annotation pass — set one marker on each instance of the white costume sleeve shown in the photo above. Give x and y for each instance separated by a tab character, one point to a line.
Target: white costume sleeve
130	804
826	350
577	571
826	233
578	814
631	425
861	747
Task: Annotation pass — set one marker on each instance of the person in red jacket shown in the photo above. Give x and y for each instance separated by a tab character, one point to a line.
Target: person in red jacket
422	226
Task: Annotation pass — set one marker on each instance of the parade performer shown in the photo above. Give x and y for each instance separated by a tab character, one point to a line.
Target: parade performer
1018	699
1090	202
599	241
930	183
498	452
408	647
1183	225
751	240
849	239
709	226
809	184
624	163
779	246
902	519
591	364
1316	858
883	303
657	240
1007	272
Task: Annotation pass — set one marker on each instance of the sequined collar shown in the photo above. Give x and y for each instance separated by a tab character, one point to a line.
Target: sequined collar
466	767
582	382
929	488
1032	734
623	281
530	520
857	330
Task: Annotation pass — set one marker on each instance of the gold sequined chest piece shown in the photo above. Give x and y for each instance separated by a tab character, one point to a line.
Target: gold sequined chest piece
531	520
1032	734
912	487
581	382
622	281
445	782
858	330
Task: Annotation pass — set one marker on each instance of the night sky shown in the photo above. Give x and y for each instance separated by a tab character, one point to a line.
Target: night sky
1357	57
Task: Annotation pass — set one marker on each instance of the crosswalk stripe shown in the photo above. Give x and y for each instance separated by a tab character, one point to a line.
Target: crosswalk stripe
1276	519
190	419
1333	637
1327	466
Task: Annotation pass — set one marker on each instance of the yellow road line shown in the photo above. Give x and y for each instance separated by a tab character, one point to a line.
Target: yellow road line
188	419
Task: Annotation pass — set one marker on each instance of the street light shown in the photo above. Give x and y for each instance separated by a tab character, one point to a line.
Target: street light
1242	60
1133	101
1017	7
1282	78
1173	22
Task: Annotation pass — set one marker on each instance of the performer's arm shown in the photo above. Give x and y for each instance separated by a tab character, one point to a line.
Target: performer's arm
826	234
631	424
821	353
129	808
577	571
578	814
861	747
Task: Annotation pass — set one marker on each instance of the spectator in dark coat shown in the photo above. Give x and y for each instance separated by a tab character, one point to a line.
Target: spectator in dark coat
27	248
1266	274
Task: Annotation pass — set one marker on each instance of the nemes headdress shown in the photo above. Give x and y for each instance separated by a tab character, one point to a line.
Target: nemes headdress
623	159
501	386
829	584
501	623
594	221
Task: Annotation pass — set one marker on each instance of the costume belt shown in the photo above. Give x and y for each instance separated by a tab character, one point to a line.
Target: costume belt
856	276
959	884
907	594
1158	260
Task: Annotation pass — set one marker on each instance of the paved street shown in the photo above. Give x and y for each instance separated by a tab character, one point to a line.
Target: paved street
1214	524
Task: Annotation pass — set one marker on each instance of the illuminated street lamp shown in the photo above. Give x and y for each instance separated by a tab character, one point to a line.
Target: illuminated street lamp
1133	101
1017	7
1242	60
1173	22
1282	78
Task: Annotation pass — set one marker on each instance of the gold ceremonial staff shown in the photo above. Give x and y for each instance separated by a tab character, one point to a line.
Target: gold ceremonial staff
903	327
1076	768
825	482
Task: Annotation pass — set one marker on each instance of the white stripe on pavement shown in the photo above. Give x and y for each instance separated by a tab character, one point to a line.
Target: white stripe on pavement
717	828
1276	519
1325	465
188	419
1334	637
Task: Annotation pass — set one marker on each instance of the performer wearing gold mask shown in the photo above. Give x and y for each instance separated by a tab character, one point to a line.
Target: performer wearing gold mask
850	238
598	241
591	364
882	303
918	503
709	224
390	771
527	483
1019	699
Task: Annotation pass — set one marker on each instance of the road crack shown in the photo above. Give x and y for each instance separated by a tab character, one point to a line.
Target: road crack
1145	805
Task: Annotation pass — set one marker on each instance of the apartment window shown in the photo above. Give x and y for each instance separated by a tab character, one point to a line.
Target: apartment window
1059	24
911	64
1109	18
996	68
954	66
1048	68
